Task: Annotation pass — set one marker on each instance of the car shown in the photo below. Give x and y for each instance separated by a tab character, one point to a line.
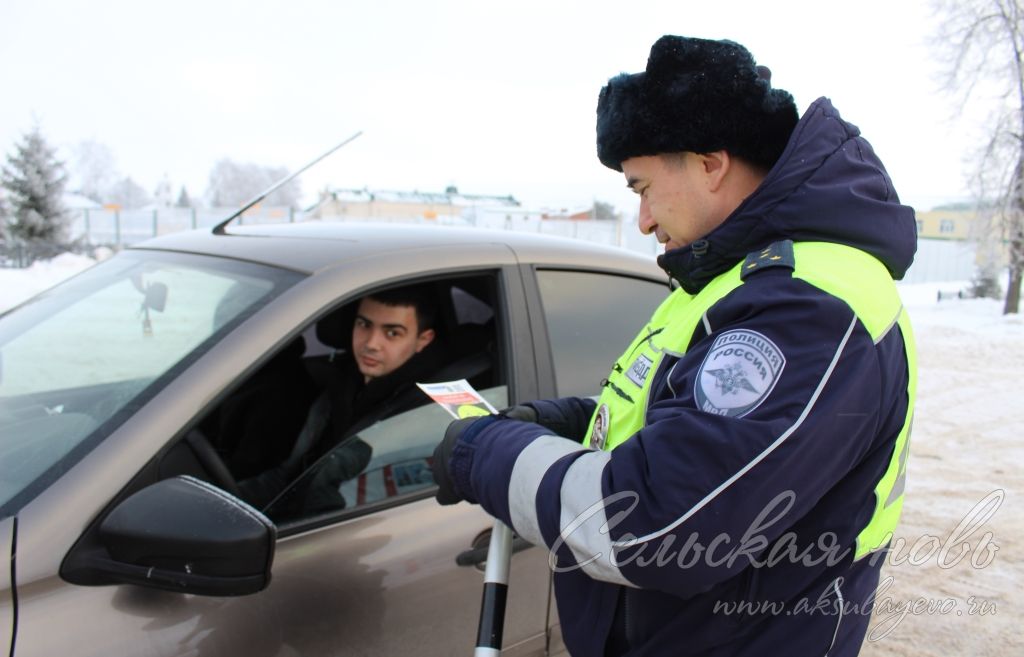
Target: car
126	390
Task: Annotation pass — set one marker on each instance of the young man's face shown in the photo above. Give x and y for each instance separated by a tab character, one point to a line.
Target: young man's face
675	203
385	337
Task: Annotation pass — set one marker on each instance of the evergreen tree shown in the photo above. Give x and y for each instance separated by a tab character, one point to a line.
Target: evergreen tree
4	213
604	210
33	180
183	200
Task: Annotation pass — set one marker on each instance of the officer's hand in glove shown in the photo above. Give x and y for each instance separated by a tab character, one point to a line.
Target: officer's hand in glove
522	412
446	493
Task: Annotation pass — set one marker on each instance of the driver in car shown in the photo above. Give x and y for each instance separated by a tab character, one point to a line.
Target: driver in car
393	346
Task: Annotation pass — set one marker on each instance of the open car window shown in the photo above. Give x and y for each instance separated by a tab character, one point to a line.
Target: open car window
306	435
383	463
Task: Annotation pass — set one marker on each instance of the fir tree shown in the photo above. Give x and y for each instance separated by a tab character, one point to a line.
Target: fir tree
183	200
604	210
4	214
33	180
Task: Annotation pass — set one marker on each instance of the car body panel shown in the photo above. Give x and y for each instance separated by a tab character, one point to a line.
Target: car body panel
351	571
7	614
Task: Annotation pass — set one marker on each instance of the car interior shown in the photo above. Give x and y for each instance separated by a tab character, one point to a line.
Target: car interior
256	425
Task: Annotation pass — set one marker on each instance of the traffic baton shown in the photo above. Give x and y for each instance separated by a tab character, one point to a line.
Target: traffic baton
492	607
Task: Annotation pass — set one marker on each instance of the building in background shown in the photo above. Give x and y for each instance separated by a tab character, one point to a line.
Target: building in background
450	204
388	204
954	243
952	223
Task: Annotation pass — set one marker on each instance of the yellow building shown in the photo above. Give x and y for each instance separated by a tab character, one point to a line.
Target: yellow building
952	243
368	204
951	224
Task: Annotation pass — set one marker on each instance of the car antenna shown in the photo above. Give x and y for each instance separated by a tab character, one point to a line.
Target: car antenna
219	228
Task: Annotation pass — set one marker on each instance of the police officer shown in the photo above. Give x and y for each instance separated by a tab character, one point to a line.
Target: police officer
734	488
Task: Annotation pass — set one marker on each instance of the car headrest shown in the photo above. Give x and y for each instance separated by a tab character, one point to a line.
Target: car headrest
335	329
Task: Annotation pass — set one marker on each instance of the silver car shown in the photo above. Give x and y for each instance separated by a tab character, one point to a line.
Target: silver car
133	395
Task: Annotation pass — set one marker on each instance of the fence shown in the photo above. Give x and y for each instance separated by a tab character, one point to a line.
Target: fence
942	260
18	254
936	260
91	228
125	227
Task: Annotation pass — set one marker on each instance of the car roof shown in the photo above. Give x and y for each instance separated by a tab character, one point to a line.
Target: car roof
311	246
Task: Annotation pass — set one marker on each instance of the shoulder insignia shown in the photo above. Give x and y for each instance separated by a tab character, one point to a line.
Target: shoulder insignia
738	373
778	254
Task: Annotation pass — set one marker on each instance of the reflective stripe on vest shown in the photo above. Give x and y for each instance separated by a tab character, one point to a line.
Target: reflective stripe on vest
841	271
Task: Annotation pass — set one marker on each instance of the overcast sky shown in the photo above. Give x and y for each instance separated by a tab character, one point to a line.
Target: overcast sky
493	97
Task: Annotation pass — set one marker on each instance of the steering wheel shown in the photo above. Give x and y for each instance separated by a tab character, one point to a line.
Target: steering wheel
211	461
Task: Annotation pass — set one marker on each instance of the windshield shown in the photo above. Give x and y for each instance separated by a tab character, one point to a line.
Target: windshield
76	360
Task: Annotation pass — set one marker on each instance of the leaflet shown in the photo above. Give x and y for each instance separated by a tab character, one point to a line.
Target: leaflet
458	398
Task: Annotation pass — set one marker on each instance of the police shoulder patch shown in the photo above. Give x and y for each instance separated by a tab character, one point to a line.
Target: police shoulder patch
738	373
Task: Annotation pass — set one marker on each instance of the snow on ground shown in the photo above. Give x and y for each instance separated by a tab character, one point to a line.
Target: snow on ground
16	285
956	575
956	566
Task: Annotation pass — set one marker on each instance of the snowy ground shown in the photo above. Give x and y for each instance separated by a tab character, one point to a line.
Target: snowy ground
956	578
16	285
957	566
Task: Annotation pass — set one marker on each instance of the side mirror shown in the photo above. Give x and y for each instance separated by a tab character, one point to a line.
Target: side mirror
154	294
180	534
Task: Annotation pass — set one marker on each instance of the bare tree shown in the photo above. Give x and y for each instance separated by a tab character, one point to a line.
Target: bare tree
981	44
127	194
234	183
93	169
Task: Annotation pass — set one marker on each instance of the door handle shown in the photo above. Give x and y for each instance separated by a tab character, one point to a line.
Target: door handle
477	556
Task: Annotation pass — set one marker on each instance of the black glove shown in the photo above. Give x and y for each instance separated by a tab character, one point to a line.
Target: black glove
522	412
568	417
442	455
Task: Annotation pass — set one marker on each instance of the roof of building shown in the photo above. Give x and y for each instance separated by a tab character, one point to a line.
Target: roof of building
450	196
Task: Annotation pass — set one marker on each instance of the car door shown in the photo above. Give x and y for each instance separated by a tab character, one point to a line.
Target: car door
6	590
391	573
583	319
381	578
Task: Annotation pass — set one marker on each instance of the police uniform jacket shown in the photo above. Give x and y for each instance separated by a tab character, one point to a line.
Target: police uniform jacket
746	507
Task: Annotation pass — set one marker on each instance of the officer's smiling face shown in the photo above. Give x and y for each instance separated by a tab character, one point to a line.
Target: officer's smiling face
677	203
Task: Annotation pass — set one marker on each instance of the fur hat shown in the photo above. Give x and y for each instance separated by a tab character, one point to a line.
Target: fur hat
699	96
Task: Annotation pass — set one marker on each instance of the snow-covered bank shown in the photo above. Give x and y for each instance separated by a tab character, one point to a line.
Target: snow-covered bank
958	566
16	285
